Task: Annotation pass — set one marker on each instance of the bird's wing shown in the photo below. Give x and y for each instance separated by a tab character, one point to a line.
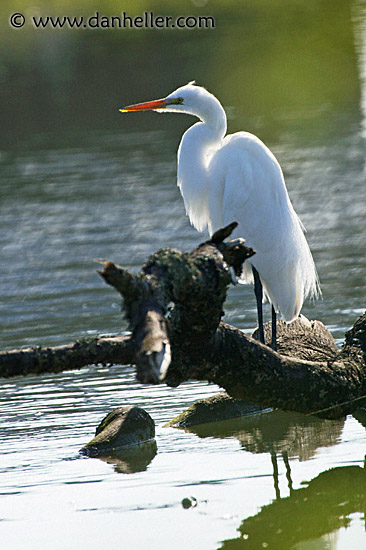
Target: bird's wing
247	186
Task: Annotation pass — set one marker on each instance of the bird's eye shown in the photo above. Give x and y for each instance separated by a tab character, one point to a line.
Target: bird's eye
177	101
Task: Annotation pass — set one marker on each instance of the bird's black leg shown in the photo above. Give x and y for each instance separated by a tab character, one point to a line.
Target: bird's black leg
274	330
258	291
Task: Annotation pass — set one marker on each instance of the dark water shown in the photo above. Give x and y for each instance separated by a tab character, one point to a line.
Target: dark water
72	191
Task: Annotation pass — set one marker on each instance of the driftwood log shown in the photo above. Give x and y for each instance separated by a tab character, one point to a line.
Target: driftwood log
174	307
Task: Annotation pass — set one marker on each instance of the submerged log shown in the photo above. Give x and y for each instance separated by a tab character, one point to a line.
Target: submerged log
174	307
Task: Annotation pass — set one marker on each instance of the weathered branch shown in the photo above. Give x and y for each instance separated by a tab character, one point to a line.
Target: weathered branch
204	348
199	280
174	307
87	351
145	310
249	370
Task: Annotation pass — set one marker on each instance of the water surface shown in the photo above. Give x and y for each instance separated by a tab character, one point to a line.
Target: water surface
70	194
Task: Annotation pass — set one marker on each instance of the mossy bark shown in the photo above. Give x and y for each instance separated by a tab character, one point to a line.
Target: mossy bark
87	351
174	307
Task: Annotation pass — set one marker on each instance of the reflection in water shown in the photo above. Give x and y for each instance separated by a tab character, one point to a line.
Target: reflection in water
130	461
277	432
70	196
359	22
293	60
316	512
324	506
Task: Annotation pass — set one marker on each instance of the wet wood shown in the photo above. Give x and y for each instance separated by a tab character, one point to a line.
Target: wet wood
145	310
251	371
174	307
118	350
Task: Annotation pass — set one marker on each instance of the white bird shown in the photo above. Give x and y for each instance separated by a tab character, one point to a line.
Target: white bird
237	178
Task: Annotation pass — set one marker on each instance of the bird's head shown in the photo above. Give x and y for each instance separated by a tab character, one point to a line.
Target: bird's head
189	99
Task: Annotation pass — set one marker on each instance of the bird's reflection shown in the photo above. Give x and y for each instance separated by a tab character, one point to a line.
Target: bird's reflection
309	513
313	512
276	431
290	435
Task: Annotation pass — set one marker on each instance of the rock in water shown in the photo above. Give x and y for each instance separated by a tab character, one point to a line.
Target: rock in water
124	427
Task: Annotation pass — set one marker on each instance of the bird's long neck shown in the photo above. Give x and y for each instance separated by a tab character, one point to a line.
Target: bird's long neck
196	148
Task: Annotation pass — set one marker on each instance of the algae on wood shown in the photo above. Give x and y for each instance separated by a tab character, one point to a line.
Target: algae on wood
174	307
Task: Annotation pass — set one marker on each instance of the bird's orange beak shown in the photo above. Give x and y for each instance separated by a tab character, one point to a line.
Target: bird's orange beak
147	106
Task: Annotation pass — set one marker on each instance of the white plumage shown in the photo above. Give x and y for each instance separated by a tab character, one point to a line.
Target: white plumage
237	178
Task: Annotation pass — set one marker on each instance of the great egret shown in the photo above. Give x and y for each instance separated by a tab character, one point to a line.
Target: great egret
237	178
